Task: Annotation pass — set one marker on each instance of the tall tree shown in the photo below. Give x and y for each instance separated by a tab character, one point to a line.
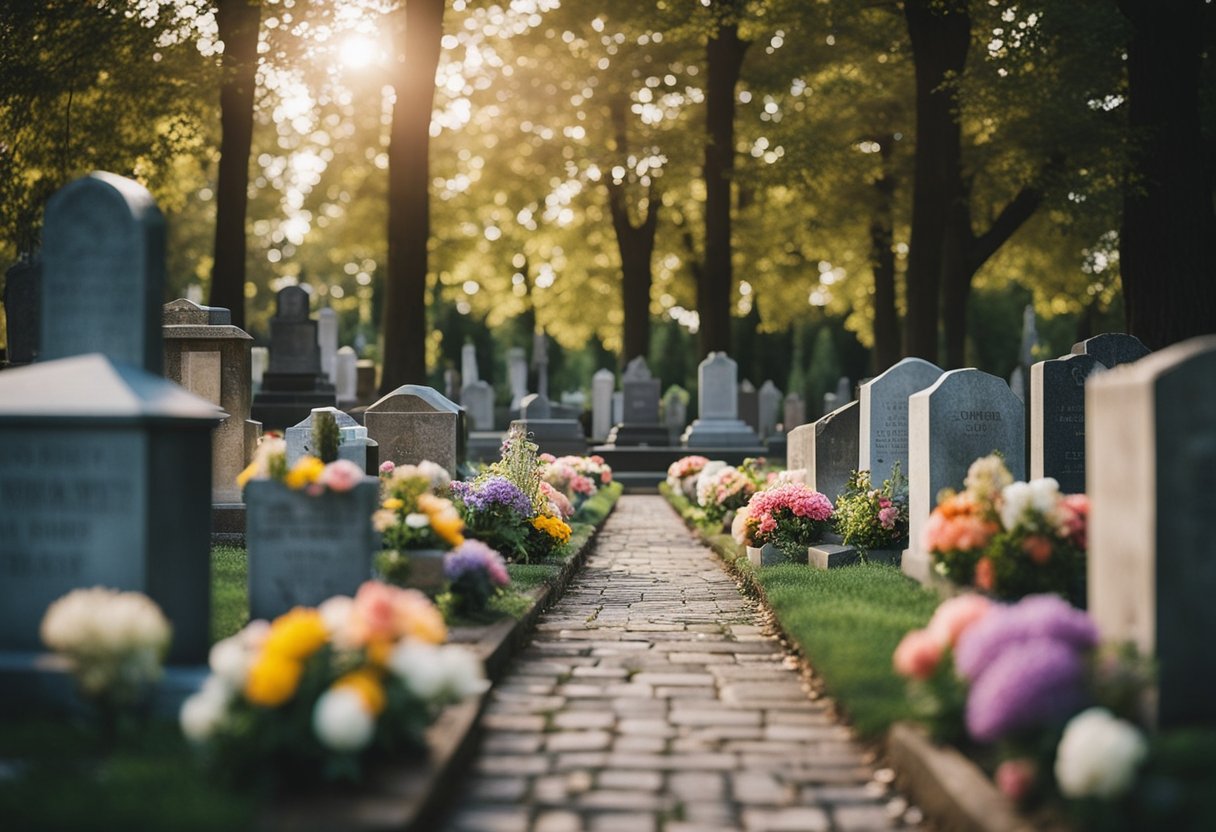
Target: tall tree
1165	245
420	27
882	260
724	52
238	22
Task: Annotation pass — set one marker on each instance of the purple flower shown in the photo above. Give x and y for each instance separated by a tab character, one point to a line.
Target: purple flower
1030	683
1034	617
475	556
491	493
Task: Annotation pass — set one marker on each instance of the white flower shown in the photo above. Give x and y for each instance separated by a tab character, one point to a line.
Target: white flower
432	673
417	521
436	473
230	661
254	634
336	613
202	713
793	475
1015	499
341	721
1044	495
707	480
1098	755
986	477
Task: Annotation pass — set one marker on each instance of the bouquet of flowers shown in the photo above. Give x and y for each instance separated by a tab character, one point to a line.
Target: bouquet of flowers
475	573
317	693
682	475
114	643
1007	538
576	477
724	490
791	516
412	514
309	473
873	518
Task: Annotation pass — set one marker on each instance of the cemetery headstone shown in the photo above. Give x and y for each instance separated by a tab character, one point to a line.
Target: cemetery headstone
259	360
209	357
353	441
1057	420
346	378
831	455
327	342
22	298
304	549
293	383
1017	383
540	361
603	383
618	407
640	425
770	408
468	365
451	385
1150	453
719	425
844	391
965	415
517	375
535	406
103	272
830	402
414	423
883	418
749	405
1112	348
365	380
478	401
794	414
556	436
675	413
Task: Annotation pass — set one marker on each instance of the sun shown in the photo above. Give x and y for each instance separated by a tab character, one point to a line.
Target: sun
358	51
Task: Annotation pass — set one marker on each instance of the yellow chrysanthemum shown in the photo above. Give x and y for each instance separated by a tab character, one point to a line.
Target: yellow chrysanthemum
445	520
297	634
393	504
366	683
552	526
378	651
273	680
305	472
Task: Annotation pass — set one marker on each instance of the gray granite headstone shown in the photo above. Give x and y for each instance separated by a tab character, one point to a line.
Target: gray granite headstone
603	384
618	407
304	549
749	405
832	454
478	401
1017	383
675	411
800	447
22	296
517	375
346	380
327	342
1057	420
1112	348
352	438
103	272
535	406
770	408
830	402
259	360
468	365
719	425
844	391
795	412
965	415
1150	454
883	419
414	423
641	391
105	479
209	357
451	385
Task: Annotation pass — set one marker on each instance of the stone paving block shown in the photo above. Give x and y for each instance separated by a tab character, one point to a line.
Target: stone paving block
641	745
558	821
580	760
512	722
757	788
625	800
512	764
641	781
584	720
493	820
623	822
646	727
802	819
499	789
497	742
857	818
578	741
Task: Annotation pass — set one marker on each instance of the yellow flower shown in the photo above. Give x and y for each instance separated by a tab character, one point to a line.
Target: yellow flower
445	520
297	634
251	471
420	619
393	504
552	526
305	472
378	651
273	679
366	683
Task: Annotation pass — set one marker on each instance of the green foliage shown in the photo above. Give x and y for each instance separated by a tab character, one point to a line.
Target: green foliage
325	436
857	514
229	591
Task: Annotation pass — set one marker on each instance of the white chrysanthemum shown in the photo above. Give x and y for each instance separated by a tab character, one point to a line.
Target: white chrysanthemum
337	613
202	713
230	660
1045	496
416	520
1015	499
341	721
986	477
1098	755
433	673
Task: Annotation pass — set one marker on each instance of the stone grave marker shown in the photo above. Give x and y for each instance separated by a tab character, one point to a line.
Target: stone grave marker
675	413
327	342
22	298
353	441
640	425
718	425
414	423
451	385
749	405
103	272
478	401
259	360
346	379
1112	348
965	415
540	361
304	549
209	357
844	391
830	401
831	455
468	365
1057	420
1150	452
794	414
603	384
770	408
557	436
365	380
618	407
535	406
883	418
293	383
517	375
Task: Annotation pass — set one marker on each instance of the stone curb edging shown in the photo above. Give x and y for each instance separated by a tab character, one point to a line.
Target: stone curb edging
954	792
413	797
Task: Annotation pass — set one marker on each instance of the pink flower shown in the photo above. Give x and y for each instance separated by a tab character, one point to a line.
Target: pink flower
1015	778
342	475
597	459
917	655
887	516
1075	511
606	476
954	616
985	575
1037	548
582	485
374	611
546	458
387	467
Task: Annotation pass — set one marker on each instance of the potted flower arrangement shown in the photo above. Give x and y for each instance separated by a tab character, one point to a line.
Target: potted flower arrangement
475	573
1010	538
1055	711
417	526
577	477
319	693
779	523
723	490
874	520
682	475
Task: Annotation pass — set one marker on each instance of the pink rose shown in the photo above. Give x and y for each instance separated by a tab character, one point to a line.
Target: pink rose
606	477
917	655
887	517
342	475
387	467
1015	778
956	615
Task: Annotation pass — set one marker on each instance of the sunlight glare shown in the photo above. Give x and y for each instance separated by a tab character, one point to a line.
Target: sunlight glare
357	52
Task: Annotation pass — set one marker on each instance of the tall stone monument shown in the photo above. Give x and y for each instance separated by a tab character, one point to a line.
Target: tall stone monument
718	425
293	383
640	425
883	418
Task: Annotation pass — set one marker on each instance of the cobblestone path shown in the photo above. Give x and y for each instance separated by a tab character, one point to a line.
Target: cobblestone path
652	700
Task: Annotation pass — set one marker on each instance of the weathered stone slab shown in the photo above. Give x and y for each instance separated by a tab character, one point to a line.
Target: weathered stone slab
414	423
831	456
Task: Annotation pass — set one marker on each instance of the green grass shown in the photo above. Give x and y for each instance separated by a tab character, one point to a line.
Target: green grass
229	591
526	576
598	506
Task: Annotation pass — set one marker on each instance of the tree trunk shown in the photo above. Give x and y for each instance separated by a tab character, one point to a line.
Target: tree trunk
940	37
1169	279
636	245
238	22
404	322
724	60
882	263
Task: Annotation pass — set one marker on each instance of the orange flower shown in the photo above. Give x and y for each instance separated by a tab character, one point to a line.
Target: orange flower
366	683
273	680
1038	548
985	576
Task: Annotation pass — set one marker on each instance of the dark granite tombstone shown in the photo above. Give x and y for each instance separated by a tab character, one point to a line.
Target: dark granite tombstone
1112	348
640	425
293	383
22	298
560	437
749	405
1057	420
